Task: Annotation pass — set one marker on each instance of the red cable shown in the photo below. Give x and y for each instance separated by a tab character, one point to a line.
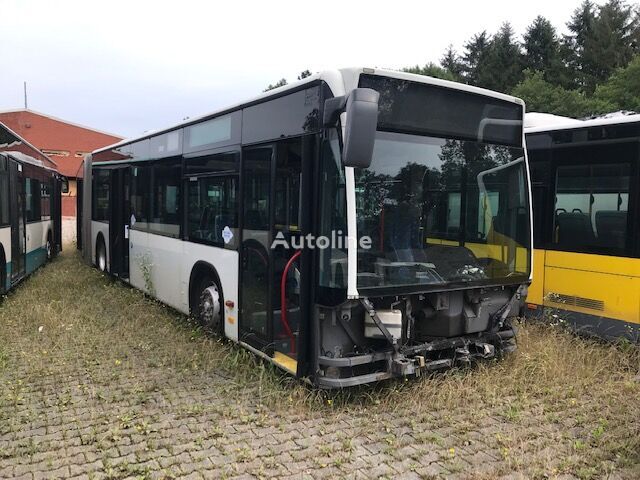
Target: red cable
283	301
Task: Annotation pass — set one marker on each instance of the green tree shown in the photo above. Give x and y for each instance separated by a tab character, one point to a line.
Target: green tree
304	74
622	90
473	59
280	83
542	96
431	70
452	63
502	65
601	40
581	27
611	46
542	51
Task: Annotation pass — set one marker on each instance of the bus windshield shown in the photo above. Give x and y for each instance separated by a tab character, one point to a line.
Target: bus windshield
441	211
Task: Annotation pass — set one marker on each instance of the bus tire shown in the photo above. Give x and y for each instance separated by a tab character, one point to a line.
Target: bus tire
101	254
209	303
49	246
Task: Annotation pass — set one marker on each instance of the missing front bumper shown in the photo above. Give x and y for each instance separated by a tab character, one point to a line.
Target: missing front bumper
414	360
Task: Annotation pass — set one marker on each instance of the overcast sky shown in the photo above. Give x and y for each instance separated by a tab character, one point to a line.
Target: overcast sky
130	66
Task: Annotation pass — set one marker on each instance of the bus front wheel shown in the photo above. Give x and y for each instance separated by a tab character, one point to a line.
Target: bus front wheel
210	311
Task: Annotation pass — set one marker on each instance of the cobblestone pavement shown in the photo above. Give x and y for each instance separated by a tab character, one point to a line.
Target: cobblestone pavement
74	408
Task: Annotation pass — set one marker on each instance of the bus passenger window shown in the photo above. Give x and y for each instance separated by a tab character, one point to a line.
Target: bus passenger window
591	207
140	195
101	186
166	200
4	194
213	214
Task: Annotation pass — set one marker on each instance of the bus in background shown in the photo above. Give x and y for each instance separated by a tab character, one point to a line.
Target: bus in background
355	226
30	209
585	182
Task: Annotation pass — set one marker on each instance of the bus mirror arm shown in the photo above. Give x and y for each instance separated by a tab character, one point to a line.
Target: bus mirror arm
333	107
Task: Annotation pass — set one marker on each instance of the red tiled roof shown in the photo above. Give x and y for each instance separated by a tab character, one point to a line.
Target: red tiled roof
12	142
65	142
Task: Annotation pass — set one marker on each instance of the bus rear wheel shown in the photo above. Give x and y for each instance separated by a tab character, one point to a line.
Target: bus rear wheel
209	311
49	247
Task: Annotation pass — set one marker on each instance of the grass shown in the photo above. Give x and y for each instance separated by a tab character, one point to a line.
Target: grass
577	397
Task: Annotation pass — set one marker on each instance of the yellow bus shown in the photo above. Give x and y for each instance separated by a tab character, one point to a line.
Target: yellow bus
586	266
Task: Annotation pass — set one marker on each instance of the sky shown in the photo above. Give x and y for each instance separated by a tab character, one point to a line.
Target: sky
126	67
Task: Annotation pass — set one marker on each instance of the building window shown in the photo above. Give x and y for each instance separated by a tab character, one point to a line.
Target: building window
57	153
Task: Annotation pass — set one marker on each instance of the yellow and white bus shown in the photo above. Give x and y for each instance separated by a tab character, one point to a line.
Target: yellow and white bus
585	183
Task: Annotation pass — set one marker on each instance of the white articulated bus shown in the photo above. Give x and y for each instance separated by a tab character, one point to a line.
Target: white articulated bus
355	226
30	209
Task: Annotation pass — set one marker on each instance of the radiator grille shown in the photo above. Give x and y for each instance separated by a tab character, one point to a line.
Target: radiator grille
589	303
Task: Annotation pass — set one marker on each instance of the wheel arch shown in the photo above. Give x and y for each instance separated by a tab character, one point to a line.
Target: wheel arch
200	269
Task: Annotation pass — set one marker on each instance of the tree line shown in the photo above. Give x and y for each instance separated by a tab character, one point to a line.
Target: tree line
594	69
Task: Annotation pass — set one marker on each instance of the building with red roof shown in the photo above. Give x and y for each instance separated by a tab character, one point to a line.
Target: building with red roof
65	143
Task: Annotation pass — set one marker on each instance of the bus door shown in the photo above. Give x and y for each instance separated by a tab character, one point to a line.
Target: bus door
18	222
272	280
56	213
119	221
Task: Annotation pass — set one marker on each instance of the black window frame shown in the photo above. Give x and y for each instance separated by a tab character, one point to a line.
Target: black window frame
198	173
172	162
96	174
5	216
558	149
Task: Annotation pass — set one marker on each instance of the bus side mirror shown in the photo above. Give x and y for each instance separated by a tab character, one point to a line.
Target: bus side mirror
360	130
65	184
361	106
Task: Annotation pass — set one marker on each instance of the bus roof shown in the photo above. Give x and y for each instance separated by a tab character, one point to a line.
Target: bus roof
340	81
535	122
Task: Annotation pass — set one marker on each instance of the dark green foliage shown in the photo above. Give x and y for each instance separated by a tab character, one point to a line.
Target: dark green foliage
542	96
474	58
431	70
452	63
592	70
503	66
280	83
622	90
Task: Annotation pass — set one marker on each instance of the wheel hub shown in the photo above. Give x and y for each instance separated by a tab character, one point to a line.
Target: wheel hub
210	306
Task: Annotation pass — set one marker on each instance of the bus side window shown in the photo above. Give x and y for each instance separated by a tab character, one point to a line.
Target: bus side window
591	206
4	192
212	189
165	218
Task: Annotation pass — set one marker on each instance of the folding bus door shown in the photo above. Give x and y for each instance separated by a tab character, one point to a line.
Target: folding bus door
18	222
119	222
274	285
